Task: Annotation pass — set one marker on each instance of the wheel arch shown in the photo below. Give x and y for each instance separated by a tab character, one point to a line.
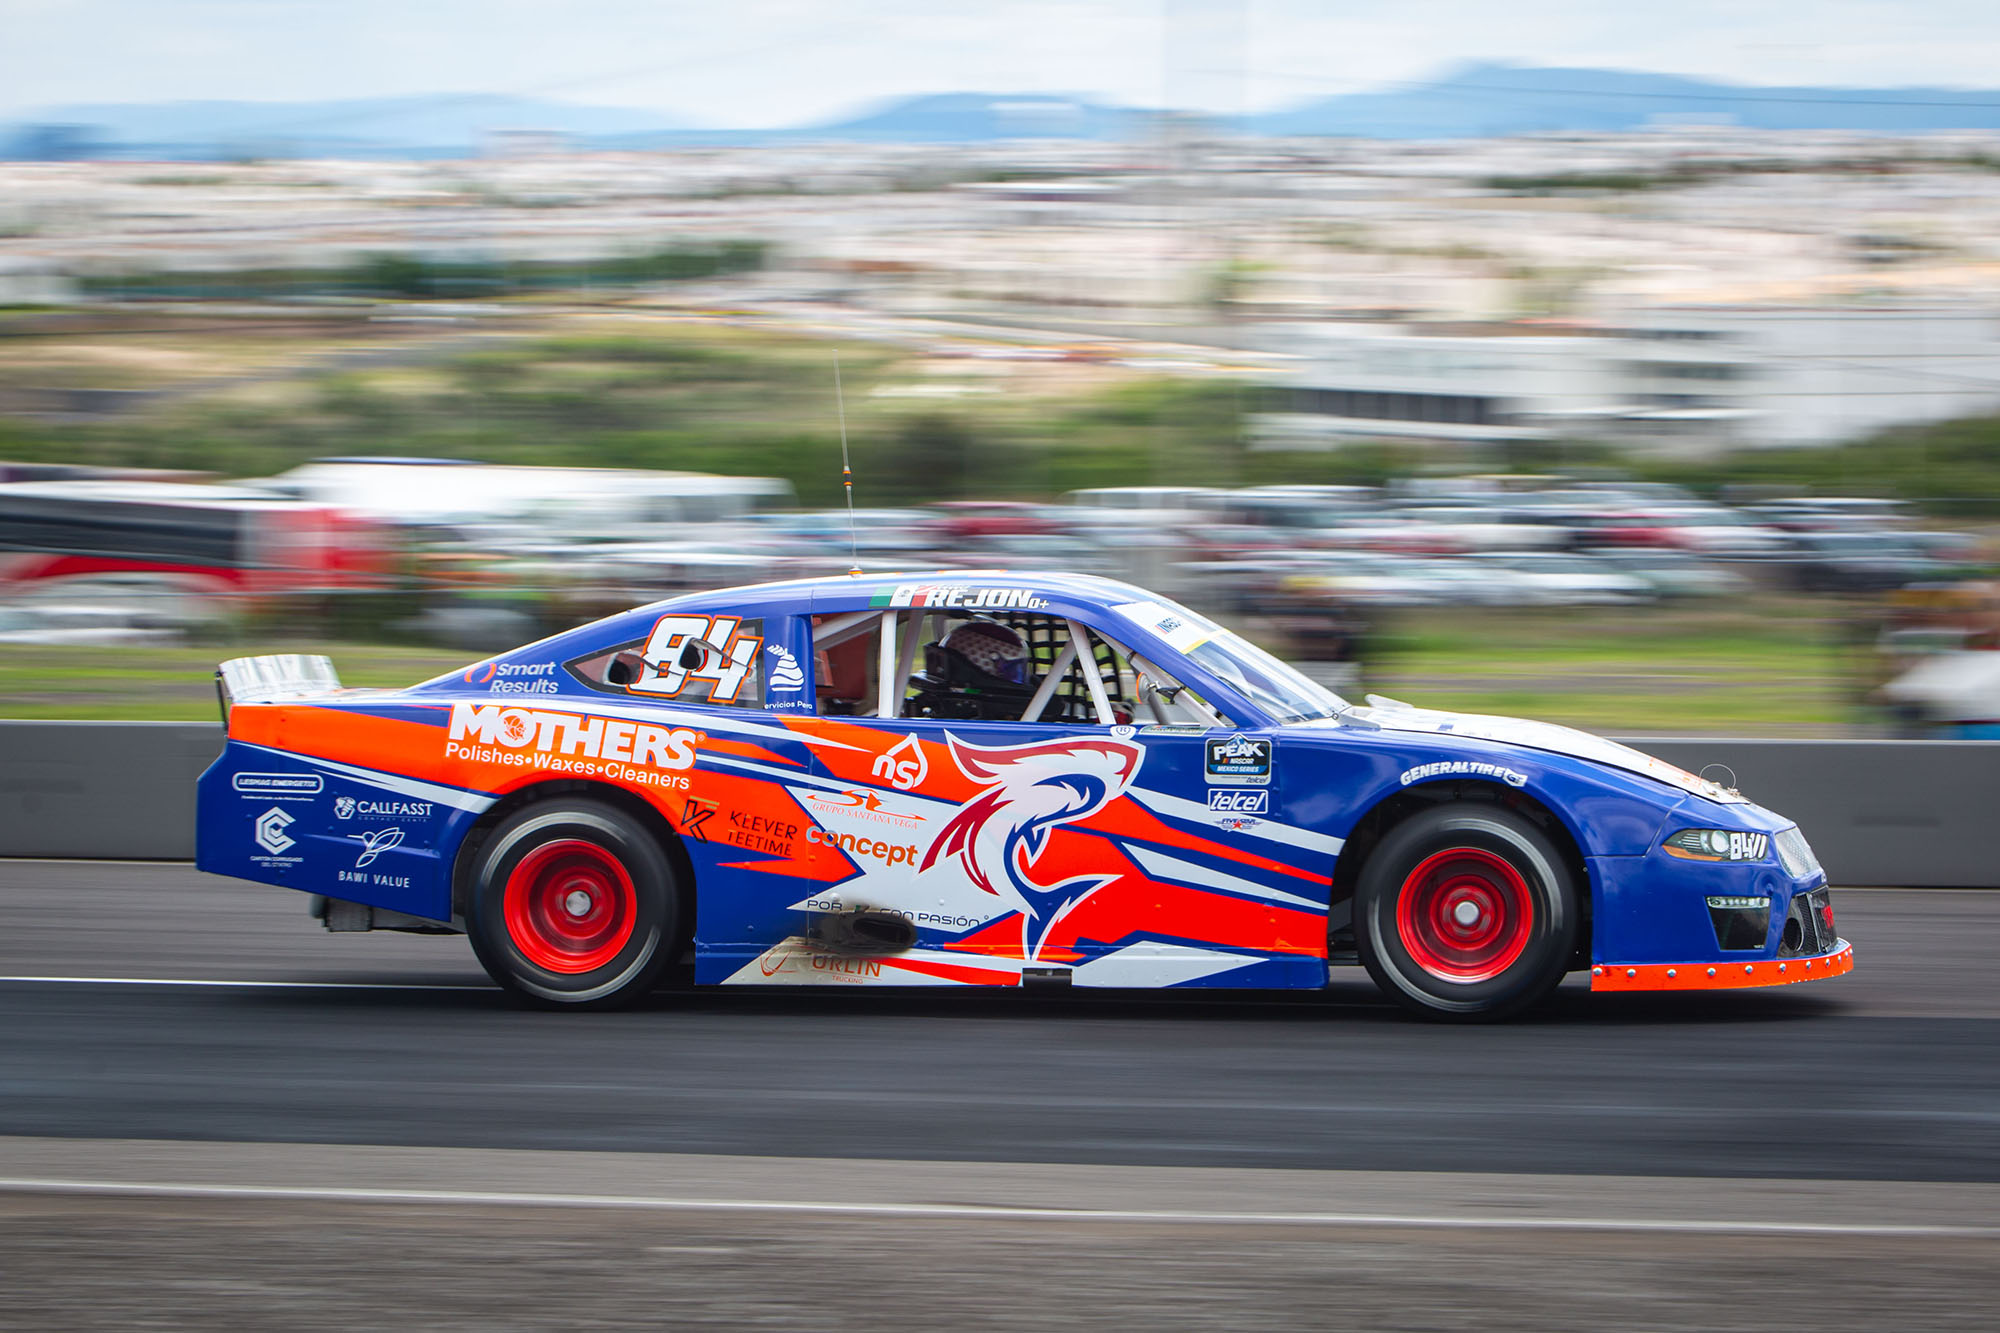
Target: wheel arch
1400	805
649	816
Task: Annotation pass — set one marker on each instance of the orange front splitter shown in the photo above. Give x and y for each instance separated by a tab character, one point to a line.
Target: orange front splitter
1721	976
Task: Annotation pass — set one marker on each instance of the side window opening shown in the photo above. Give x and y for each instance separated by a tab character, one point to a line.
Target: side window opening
846	663
999	666
690	659
1011	666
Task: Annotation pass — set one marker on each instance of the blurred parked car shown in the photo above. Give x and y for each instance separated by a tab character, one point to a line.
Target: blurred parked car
1856	562
85	623
1572	580
1676	574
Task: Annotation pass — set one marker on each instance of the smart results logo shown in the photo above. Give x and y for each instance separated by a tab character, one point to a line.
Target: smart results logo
565	743
514	677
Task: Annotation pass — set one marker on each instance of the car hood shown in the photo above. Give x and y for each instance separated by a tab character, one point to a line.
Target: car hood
1392	715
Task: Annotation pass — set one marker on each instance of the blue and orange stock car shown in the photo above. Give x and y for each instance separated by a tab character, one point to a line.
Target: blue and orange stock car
988	779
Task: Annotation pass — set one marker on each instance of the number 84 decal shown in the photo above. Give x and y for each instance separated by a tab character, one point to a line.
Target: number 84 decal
697	657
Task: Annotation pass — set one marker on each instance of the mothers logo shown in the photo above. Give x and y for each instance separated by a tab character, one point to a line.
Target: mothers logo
493	733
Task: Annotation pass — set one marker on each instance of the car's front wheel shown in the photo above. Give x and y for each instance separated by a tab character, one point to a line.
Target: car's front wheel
573	903
1466	911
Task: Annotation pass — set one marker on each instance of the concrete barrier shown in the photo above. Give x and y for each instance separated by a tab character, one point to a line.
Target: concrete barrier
121	790
1876	812
1914	813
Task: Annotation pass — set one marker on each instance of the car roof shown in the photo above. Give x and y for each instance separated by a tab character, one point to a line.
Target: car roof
794	594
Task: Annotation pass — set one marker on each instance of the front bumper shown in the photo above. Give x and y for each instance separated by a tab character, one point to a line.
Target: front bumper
1712	975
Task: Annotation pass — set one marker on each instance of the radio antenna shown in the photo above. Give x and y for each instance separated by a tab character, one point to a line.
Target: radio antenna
846	470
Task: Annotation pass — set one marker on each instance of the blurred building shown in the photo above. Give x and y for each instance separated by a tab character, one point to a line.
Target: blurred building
1691	379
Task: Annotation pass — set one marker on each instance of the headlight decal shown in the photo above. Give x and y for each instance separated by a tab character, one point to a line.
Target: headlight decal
1714	844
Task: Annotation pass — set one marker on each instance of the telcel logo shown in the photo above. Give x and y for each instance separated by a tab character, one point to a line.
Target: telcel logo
1240	802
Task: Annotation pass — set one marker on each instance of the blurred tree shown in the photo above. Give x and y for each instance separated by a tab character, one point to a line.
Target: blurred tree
929	457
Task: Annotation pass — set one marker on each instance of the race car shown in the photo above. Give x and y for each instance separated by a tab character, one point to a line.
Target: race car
988	779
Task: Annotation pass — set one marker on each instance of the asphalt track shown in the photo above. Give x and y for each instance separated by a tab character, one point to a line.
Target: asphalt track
1892	1073
215	1115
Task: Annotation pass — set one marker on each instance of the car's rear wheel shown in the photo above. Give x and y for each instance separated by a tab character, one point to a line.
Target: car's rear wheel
1466	911
573	903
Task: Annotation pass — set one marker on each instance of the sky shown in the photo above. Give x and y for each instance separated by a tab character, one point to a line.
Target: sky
762	63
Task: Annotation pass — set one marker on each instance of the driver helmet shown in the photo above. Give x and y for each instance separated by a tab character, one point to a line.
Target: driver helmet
990	648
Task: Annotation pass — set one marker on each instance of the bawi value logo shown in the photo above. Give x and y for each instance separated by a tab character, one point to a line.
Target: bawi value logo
374	842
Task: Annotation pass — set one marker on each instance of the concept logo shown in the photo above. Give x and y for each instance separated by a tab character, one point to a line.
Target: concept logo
269	831
998	835
344	806
374	842
474	676
903	766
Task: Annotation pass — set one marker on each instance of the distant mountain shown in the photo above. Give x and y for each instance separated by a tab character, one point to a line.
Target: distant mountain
1471	101
1486	100
449	124
980	117
369	127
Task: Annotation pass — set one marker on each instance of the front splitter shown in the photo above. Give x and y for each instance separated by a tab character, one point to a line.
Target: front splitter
1721	976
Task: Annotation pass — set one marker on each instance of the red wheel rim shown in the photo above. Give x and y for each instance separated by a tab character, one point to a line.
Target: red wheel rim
569	906
1464	914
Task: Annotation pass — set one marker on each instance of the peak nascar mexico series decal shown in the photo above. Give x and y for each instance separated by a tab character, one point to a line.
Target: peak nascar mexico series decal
1237	761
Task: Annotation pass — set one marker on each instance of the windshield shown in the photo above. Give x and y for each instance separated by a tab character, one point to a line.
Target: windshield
1280	690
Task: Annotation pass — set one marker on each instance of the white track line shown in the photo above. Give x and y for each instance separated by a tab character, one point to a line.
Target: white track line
977	1212
248	985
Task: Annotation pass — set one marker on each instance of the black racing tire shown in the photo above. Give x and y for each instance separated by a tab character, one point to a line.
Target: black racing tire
574	904
1466	912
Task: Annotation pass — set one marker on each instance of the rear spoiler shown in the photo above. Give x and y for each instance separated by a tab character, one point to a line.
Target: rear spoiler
274	676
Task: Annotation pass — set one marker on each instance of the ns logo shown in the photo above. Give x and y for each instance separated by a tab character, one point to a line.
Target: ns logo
902	766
